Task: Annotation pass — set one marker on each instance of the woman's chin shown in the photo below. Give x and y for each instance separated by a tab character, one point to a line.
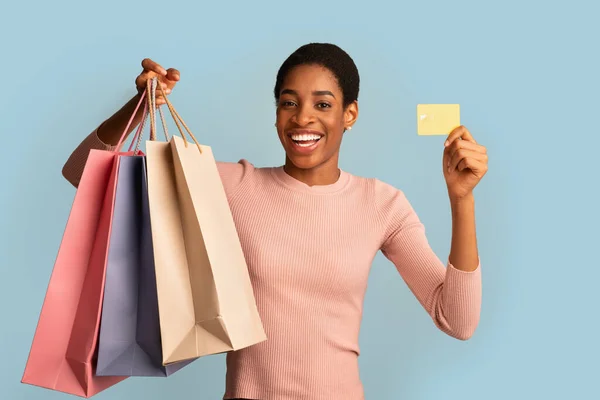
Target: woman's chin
304	162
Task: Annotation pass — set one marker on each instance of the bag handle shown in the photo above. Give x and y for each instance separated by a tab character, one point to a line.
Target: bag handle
149	110
160	112
137	138
124	134
153	109
177	118
148	98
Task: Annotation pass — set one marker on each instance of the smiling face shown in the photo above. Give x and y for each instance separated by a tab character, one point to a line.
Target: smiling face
311	117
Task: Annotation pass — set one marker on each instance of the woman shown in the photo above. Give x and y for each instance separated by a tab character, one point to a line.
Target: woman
310	232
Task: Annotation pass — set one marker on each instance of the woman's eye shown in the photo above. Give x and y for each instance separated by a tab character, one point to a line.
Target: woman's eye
323	105
288	103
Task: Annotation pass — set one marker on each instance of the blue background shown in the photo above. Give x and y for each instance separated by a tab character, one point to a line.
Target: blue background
525	74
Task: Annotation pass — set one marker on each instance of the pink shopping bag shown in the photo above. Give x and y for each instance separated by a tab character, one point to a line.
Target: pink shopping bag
64	347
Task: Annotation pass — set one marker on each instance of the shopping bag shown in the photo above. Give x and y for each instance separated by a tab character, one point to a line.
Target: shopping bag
64	348
62	352
205	297
130	342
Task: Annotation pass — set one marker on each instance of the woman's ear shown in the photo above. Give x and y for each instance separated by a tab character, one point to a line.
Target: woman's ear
350	115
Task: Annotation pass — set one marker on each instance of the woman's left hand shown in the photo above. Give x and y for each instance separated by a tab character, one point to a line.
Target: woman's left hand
465	162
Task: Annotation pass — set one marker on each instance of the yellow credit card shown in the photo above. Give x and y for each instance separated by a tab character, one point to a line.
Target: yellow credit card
437	119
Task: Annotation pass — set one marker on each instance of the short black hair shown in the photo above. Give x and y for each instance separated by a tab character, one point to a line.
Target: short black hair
329	56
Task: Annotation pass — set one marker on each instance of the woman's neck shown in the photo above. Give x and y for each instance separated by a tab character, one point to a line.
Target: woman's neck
327	173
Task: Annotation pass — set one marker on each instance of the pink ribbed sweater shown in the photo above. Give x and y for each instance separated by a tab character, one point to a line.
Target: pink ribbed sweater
309	251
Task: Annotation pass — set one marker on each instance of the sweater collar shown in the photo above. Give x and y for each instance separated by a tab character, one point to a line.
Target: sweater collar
292	183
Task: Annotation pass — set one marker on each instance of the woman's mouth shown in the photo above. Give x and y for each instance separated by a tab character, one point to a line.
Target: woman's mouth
305	142
305	139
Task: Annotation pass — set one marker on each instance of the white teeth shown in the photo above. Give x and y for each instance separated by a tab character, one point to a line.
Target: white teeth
305	137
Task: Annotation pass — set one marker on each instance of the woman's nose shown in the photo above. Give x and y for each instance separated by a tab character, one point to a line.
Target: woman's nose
304	116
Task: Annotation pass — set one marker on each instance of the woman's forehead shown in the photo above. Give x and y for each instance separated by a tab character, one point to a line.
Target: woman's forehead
310	79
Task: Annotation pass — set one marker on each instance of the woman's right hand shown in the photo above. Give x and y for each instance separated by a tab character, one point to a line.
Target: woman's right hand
166	77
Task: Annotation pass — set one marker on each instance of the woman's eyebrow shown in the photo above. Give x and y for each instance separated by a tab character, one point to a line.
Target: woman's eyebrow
314	93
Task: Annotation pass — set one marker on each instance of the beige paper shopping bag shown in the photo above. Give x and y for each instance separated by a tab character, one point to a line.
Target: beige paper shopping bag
205	297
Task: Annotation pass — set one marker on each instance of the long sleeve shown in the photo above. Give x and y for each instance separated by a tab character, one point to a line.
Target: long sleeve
450	296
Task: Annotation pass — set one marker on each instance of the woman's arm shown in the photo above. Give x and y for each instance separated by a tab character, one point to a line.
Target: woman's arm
463	251
449	292
110	131
108	134
465	162
105	137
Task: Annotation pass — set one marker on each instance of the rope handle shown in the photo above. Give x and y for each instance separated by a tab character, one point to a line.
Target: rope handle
148	98
148	110
177	118
153	84
137	138
124	134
